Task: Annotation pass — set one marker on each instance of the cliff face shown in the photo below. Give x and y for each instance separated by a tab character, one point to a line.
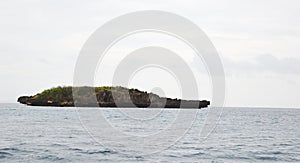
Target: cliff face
106	97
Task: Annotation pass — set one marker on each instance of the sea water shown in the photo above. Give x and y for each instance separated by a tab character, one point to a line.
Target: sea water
47	134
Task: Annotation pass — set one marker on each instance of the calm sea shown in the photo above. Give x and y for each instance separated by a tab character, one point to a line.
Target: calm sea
42	134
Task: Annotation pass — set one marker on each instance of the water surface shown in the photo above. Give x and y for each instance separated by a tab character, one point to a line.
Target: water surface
42	134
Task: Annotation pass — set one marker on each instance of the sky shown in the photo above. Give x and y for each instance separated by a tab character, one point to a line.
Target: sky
258	43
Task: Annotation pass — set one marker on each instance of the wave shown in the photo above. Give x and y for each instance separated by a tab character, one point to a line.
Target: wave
99	152
5	155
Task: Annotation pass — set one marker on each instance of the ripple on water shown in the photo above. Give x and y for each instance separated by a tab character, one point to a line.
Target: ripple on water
8	152
75	149
5	155
9	149
194	154
50	158
105	152
266	158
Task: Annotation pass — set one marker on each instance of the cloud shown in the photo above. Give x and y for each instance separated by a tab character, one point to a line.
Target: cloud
263	64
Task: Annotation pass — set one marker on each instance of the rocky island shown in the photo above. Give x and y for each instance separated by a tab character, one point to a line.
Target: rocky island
106	97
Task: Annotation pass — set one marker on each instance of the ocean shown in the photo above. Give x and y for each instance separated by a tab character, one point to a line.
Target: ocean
53	134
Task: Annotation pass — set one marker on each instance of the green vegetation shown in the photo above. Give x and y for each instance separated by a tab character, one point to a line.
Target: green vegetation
103	88
65	93
57	93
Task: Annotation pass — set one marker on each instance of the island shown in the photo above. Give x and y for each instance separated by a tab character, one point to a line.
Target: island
106	96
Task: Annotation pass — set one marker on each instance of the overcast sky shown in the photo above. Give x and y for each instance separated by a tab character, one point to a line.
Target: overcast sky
258	42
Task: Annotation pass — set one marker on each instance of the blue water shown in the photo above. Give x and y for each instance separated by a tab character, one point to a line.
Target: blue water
39	134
